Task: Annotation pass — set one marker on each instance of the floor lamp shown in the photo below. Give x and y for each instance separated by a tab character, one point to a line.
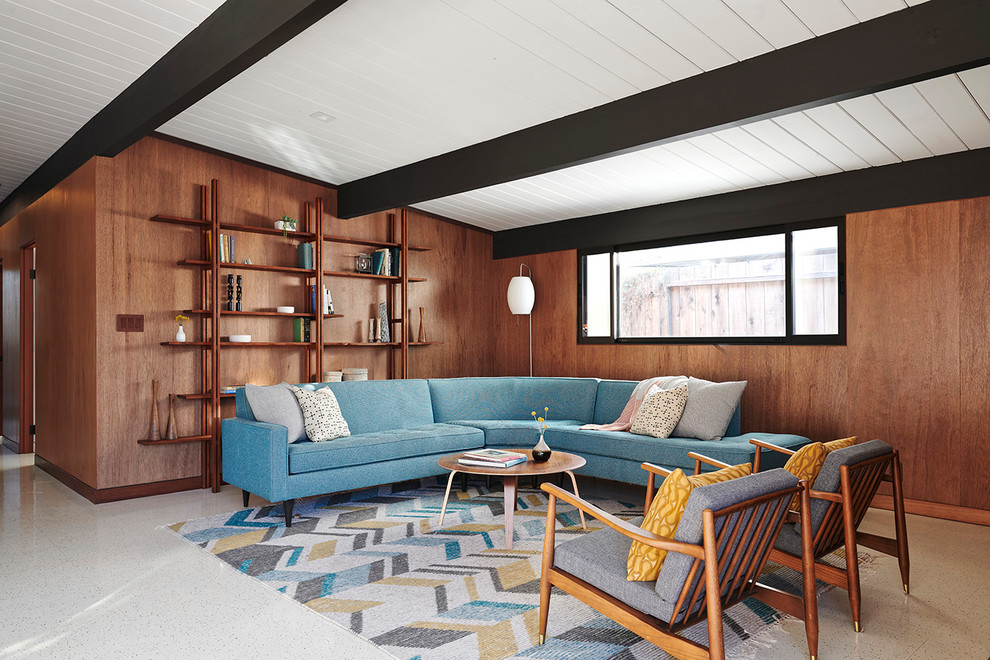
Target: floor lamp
521	296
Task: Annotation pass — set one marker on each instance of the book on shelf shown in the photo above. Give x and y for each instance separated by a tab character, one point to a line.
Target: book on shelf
491	464
327	301
305	255
312	299
493	455
300	330
378	262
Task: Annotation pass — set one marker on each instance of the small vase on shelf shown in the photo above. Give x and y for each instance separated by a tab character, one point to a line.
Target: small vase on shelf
180	336
541	452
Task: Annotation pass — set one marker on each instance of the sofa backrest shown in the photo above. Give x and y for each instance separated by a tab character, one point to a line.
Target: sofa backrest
614	394
370	406
513	398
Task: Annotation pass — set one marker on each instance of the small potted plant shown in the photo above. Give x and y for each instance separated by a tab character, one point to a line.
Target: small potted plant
180	336
286	224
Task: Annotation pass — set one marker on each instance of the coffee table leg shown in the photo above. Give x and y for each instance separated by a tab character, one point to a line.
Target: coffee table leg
574	483
509	488
446	495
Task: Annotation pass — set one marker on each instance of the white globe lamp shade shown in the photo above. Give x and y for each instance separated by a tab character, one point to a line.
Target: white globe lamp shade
521	295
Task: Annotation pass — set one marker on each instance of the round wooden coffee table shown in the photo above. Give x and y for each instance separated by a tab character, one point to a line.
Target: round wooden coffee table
560	461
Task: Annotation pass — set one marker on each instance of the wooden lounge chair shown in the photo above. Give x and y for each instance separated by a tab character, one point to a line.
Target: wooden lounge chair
840	496
720	547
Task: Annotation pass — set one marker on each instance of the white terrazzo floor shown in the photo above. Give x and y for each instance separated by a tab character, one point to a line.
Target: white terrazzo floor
79	580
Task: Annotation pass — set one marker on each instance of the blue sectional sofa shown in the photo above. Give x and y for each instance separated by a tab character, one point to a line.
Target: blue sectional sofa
399	428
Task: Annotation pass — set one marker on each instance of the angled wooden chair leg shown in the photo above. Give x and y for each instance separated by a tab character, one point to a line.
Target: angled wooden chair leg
716	641
852	559
900	527
548	543
810	590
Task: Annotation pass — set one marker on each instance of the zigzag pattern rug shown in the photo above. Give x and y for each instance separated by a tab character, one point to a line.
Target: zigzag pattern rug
377	562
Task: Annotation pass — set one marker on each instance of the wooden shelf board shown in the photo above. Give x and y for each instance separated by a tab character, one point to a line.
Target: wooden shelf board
333	316
424	343
419	248
266	344
339	273
188	222
186	343
268	231
359	343
224	312
359	241
199	263
202	396
416	279
188	438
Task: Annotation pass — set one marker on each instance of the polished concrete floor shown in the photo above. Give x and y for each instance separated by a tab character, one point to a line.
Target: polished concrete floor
79	580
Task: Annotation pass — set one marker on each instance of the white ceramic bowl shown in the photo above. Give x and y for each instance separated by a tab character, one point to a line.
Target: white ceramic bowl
240	339
285	309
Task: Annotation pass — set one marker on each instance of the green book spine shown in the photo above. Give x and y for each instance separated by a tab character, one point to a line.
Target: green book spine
297	330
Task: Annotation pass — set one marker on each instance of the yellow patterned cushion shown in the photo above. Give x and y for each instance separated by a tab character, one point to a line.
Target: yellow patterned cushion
806	464
644	562
842	443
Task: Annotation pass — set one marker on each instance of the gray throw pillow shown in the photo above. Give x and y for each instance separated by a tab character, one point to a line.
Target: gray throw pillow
709	409
321	413
276	404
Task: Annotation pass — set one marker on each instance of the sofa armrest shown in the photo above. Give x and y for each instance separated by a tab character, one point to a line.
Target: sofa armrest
256	457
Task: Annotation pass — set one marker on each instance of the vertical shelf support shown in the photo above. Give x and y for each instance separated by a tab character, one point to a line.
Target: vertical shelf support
317	229
404	291
214	348
206	424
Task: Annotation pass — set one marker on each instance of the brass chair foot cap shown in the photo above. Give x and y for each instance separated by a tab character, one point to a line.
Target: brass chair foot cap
543	639
857	627
906	590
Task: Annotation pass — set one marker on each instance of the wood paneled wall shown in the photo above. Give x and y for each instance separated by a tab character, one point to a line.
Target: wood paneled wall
63	225
137	274
913	372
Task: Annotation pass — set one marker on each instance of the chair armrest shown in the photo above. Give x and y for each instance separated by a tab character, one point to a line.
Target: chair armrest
651	486
760	444
822	495
256	457
626	529
701	458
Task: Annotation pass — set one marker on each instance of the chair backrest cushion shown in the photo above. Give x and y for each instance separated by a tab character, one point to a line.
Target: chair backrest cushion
510	398
829	477
677	566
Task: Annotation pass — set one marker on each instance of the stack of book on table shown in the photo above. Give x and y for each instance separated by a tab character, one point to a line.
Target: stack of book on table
496	458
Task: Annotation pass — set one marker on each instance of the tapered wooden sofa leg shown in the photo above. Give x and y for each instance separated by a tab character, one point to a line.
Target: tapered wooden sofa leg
245	496
287	508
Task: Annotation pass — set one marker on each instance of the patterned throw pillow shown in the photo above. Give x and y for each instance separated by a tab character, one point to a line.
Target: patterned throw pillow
841	443
660	411
806	464
321	414
644	562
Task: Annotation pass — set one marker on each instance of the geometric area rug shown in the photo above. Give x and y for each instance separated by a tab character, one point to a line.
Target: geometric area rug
377	562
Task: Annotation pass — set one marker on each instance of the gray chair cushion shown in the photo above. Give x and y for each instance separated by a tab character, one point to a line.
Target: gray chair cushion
676	567
599	559
829	478
709	409
276	404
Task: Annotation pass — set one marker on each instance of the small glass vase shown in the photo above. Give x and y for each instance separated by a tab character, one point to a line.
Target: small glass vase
541	452
180	336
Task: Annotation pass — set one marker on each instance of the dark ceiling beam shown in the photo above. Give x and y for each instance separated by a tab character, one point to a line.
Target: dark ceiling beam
931	39
923	181
234	37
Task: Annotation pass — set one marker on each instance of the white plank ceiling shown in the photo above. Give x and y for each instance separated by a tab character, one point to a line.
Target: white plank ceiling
62	61
404	81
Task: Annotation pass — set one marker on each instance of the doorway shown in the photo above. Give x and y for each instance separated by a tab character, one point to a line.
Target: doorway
27	358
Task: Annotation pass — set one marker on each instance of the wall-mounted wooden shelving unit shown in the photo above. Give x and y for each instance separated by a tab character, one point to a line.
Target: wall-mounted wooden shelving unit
209	310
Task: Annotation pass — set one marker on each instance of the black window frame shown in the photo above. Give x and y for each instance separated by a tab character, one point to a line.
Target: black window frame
789	338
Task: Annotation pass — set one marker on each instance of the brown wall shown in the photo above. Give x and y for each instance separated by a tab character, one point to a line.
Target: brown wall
913	372
63	225
137	275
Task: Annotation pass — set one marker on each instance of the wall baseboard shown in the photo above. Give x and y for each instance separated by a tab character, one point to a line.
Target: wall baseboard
102	495
11	445
936	510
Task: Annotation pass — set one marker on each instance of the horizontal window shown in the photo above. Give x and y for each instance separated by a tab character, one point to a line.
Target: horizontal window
781	285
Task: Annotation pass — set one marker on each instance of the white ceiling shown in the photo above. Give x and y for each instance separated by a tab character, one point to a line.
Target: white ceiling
409	80
62	62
